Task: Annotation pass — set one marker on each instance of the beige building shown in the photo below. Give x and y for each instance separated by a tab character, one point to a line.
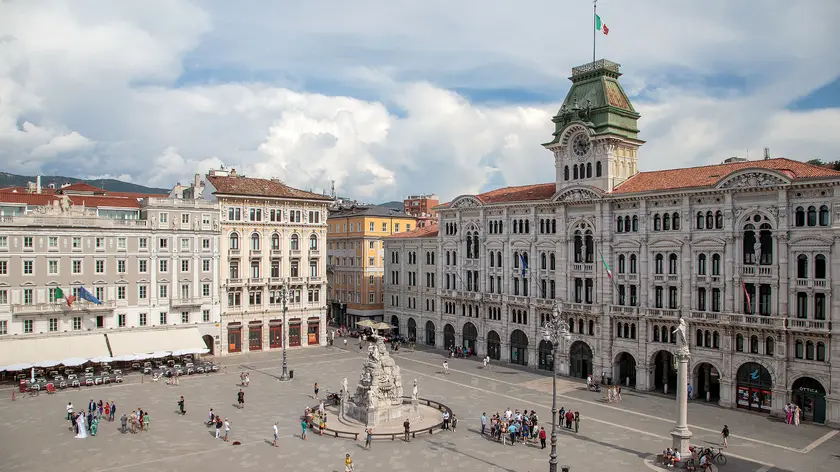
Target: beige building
273	243
151	262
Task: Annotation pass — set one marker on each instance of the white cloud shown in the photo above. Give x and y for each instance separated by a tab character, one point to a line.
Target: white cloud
92	89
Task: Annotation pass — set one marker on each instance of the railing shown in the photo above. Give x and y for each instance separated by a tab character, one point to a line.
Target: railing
760	271
235	281
518	299
256	281
579	307
582	267
276	252
663	312
295	280
673	278
185	302
494	297
256	253
810	283
593	66
756	320
79	221
60	307
234	252
807	325
624	310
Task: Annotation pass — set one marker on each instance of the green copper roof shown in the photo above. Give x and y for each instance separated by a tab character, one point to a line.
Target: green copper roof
597	100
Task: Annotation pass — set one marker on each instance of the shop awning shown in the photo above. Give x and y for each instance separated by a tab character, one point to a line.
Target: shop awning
42	351
154	341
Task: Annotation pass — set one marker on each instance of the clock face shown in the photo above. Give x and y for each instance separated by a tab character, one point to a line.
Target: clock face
580	146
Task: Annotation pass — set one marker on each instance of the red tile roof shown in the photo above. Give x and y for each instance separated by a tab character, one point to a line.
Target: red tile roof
34	199
137	195
90	201
82	187
44	190
428	231
522	193
709	176
250	186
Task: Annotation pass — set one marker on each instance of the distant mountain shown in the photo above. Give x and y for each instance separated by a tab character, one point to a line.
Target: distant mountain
396	205
13	180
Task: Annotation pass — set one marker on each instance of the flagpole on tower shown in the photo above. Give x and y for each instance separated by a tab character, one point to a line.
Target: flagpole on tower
594	26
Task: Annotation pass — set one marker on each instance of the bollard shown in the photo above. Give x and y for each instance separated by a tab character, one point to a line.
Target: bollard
666	389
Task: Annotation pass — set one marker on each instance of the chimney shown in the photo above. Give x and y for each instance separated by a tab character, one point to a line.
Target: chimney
197	180
766	153
233	172
38	184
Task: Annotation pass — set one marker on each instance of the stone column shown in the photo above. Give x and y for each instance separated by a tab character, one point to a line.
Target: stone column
680	434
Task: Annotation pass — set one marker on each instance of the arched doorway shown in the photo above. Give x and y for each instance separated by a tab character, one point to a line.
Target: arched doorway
494	346
518	347
412	330
625	367
430	333
754	384
395	325
580	357
448	336
470	335
809	394
706	381
208	341
546	356
664	372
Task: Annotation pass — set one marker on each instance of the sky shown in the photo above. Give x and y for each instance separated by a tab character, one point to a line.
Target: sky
395	97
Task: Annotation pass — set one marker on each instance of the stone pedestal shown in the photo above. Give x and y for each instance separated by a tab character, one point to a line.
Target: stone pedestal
680	434
378	398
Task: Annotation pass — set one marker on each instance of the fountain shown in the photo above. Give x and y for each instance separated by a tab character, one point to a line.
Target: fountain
379	395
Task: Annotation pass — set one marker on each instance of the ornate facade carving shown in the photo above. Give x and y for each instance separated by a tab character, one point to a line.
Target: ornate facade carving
752	180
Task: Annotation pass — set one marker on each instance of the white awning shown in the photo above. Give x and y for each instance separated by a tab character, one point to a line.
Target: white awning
54	348
155	341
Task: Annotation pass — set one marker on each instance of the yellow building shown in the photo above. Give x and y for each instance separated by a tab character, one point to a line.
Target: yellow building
355	261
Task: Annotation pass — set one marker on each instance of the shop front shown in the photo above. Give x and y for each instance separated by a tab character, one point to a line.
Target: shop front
234	337
313	331
754	388
275	334
255	335
294	333
809	394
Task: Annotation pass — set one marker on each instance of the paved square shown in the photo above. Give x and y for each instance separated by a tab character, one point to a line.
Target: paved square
613	436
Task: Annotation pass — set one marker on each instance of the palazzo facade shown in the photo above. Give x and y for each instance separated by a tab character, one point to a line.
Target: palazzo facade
744	251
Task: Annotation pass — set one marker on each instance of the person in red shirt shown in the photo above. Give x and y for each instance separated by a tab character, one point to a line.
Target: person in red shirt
542	437
570	419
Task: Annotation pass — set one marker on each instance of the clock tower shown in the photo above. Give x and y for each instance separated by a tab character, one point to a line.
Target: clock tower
595	132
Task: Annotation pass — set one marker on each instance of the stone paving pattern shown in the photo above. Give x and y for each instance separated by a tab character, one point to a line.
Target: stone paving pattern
613	436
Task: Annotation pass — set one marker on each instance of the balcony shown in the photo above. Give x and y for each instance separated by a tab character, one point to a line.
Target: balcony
182	302
275	280
624	310
670	313
235	282
756	320
493	297
295	280
808	326
758	271
294	252
59	308
811	283
256	253
579	307
627	277
234	252
276	252
519	299
256	281
582	267
673	278
314	252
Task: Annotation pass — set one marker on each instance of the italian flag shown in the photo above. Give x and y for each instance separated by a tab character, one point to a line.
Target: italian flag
607	267
59	295
600	26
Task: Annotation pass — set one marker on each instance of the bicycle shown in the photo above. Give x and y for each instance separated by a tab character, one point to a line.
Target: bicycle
33	392
718	457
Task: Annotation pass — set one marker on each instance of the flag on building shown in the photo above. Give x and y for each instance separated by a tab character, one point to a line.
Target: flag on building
602	27
59	295
85	295
747	297
524	263
607	267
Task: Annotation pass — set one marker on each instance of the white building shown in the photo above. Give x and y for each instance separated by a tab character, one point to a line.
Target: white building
744	251
272	236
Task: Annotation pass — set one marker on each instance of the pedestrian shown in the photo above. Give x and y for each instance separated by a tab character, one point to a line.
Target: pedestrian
348	463
227	429
690	391
247	379
454	421
100	409
445	418
274	443
407	428
345	343
562	416
445	367
725	434
316	390
123	423
113	410
797	412
69	411
219	425
181	406
577	421
303	429
368	438
542	437
147	420
322	424
240	397
242	379
483	422
107	411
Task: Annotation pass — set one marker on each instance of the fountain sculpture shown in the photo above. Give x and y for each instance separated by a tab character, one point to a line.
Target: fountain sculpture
379	394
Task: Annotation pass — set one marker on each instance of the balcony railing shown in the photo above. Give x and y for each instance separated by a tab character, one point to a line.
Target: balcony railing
579	307
811	283
808	326
185	302
758	271
61	307
663	312
236	281
234	252
582	267
276	252
256	281
623	310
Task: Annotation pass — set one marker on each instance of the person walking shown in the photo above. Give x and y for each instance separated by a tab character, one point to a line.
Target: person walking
368	438
690	390
227	429
69	411
181	406
147	420
483	422
303	429
316	391
240	397
725	435
123	423
454	421
445	368
113	410
542	437
577	421
445	418
247	379
219	425
107	411
407	428
348	462
274	443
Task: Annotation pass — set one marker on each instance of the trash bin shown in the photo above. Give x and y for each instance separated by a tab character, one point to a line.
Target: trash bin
565	468
291	374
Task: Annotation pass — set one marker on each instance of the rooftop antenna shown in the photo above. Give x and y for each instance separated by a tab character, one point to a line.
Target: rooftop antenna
332	188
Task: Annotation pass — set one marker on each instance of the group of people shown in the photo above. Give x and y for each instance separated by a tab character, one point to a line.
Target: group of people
568	419
792	413
214	420
460	351
83	424
514	426
139	420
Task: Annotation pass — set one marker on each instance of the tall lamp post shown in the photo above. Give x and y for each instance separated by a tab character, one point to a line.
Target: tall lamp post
554	331
284	294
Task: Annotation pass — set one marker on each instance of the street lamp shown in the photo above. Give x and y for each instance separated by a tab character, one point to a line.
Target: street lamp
284	294
554	330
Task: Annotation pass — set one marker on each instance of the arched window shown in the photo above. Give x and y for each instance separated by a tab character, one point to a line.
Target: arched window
739	342
626	329
554	226
819	267
769	346
666	222
799	217
766	239
719	219
657	222
632	263
566	173
618	331
492	260
749	244
754	344
592	327
527	226
802	266
499	259
255	242
824	215
656	333
627	227
633	331
635	224
707	339
475	245
701	264
542	226
598	169
716	340
675	221
698	337
588	170
659	263
809	350
515	259
294	243
571	325
448	260
799	349
313	243
821	351
700	220
710	220
715	264
812	216
575	172
672	264
552	262
543	261
234	241
619	225
275	242
580	326
621	263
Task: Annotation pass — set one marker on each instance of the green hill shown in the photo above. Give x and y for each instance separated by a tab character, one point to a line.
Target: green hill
14	180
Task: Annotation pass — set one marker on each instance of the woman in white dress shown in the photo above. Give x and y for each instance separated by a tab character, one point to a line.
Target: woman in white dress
796	413
80	421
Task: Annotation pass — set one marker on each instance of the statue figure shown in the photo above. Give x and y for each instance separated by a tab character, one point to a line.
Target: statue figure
64	203
344	389
414	391
583	253
680	332
757	250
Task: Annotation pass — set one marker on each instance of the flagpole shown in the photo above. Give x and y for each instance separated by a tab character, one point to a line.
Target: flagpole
594	26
